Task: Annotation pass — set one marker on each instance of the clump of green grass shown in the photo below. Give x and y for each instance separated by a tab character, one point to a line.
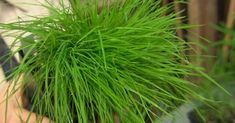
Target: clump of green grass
89	64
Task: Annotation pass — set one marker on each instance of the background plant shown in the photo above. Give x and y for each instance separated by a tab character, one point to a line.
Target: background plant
223	72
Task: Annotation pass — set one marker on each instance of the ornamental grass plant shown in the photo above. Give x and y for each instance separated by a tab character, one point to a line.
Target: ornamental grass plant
88	64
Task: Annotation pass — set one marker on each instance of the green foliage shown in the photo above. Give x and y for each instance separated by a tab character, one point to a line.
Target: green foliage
223	110
223	107
225	69
90	64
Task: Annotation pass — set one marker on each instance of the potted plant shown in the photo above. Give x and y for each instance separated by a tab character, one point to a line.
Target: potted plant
86	64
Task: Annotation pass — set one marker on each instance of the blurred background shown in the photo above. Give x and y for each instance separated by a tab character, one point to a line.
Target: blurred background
211	34
213	41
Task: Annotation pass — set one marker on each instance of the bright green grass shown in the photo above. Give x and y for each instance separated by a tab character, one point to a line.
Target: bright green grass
88	64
